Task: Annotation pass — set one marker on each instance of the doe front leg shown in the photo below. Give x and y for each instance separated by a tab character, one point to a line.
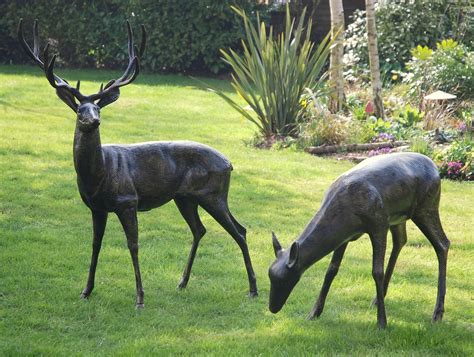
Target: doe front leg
99	221
379	245
128	218
330	275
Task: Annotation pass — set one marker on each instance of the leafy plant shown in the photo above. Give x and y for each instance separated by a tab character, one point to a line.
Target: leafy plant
449	68
402	25
272	74
457	161
422	146
329	129
408	116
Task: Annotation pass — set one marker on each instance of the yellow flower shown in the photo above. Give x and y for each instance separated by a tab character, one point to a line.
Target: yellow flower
394	77
303	103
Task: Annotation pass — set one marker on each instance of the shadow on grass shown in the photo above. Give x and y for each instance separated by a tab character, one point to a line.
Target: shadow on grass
144	79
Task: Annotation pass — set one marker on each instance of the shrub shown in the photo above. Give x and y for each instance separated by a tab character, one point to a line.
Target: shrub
402	25
457	161
422	146
449	68
182	35
272	74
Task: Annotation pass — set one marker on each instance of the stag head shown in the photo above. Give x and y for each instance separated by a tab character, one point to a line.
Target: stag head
284	274
87	107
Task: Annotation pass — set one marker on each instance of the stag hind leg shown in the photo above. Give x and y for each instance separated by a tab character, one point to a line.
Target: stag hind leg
128	218
430	224
399	238
99	221
216	205
189	210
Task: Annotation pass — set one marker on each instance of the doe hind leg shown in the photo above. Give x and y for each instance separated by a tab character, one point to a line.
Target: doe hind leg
217	207
399	239
189	210
430	224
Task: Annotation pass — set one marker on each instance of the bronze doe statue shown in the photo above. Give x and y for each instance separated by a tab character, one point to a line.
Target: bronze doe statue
378	195
125	179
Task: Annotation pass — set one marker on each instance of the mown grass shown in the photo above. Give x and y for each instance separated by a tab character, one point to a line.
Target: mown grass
45	243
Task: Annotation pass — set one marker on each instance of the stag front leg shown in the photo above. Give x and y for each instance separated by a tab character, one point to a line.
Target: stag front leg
330	275
99	221
379	245
128	218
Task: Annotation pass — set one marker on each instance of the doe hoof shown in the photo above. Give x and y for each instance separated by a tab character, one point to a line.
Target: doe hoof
252	294
182	285
437	318
139	306
84	296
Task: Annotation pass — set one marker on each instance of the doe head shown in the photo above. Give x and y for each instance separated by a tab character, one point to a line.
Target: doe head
87	107
284	274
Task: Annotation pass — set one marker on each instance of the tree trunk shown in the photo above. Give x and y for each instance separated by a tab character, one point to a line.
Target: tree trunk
336	75
374	58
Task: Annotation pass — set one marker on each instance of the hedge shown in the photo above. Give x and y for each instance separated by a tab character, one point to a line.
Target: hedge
183	35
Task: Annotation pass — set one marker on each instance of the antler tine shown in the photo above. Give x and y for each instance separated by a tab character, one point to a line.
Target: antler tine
143	42
47	66
133	67
131	47
27	47
78	85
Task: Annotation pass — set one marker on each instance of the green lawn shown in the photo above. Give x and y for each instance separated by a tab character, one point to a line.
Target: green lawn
45	243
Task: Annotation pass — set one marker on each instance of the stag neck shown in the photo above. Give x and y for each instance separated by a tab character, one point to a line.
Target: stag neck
88	158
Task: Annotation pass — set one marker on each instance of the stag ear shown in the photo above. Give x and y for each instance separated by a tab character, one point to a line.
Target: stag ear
276	244
110	97
67	97
294	255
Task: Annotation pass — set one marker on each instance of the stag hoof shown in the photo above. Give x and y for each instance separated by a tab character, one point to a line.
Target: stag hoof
252	294
139	305
374	302
85	294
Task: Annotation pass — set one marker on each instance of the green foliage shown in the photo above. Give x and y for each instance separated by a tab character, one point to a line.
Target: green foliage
182	35
420	145
449	68
325	129
408	116
402	25
272	74
457	161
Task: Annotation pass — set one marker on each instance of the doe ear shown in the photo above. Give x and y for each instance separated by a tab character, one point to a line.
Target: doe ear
67	97
276	244
110	97
294	255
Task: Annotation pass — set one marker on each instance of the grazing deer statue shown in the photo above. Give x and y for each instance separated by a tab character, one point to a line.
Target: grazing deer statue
378	195
125	179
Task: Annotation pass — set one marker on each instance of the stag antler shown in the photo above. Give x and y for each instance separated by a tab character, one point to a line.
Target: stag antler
57	82
132	70
54	80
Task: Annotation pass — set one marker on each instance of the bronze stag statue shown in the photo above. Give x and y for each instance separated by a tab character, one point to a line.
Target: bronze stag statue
125	179
378	195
